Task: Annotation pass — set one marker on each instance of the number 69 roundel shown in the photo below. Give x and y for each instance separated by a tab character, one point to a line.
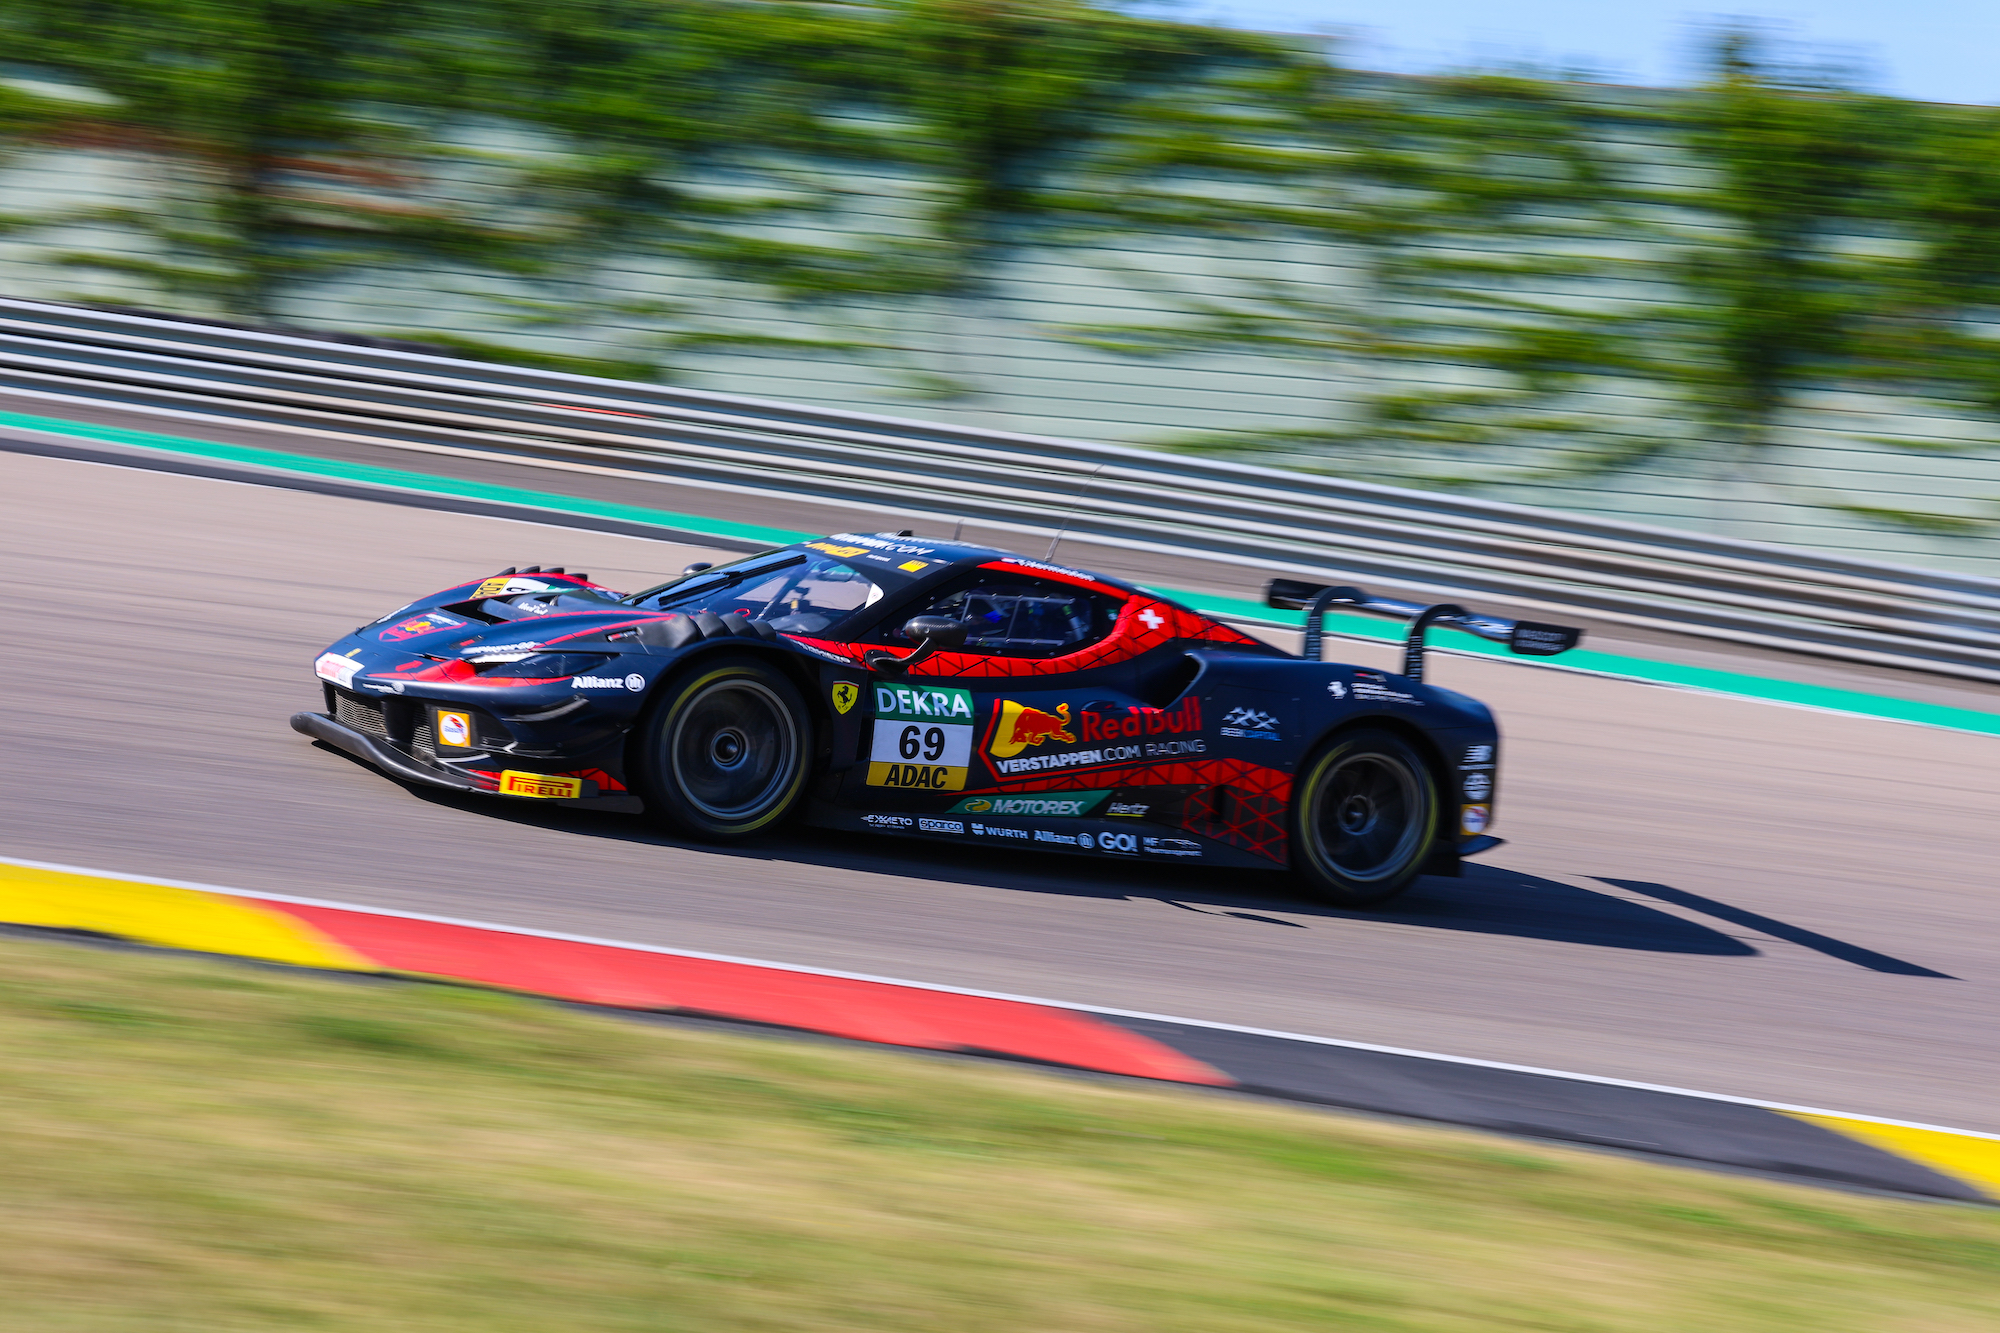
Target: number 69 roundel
922	737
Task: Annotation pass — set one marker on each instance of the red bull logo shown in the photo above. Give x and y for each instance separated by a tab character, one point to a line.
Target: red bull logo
1184	716
1018	727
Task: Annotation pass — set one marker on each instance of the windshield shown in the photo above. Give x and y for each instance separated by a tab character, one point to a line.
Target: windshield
797	592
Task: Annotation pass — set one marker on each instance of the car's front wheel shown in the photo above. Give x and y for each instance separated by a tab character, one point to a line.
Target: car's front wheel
724	751
1364	814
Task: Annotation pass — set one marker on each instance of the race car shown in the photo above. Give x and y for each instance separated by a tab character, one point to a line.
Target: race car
884	683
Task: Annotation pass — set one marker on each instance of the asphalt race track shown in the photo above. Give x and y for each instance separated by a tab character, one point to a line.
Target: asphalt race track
1709	892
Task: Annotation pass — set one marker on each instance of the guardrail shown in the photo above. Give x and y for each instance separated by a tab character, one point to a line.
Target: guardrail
1303	523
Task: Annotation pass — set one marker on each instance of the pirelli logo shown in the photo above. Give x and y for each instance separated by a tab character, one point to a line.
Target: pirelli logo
548	786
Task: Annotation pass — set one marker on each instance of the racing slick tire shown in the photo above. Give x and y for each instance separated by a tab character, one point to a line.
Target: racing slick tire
725	750
1364	816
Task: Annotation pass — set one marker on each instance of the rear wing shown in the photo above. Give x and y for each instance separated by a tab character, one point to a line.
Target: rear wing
1528	637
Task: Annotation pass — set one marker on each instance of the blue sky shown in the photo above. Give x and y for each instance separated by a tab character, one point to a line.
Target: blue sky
1938	50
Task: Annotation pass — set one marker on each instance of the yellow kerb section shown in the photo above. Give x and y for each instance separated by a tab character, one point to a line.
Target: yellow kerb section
1974	1160
173	918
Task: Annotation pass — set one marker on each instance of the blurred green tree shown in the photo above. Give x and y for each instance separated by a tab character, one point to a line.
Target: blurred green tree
1857	236
1948	190
689	140
995	105
281	126
1470	262
304	138
1388	235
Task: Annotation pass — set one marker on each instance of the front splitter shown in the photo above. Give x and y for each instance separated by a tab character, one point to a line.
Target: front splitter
399	765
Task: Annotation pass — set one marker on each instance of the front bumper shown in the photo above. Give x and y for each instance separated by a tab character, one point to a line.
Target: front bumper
394	762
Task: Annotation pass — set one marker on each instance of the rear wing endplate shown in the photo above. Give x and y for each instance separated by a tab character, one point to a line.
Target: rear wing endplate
1530	638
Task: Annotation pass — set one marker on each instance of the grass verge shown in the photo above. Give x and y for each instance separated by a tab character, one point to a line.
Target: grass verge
193	1145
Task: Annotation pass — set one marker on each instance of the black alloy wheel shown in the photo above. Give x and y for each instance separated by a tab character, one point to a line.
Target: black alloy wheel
1364	815
724	753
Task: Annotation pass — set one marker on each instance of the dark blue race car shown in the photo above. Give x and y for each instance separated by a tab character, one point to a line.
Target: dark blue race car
890	684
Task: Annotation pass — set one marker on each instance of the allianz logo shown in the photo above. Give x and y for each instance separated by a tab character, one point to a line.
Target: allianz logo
634	682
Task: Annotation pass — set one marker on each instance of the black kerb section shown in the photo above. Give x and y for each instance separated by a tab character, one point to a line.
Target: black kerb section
1545	1106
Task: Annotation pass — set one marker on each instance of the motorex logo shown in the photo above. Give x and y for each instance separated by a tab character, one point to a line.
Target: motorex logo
1068	805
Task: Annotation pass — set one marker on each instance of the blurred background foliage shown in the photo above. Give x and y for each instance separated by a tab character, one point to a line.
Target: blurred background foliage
1515	228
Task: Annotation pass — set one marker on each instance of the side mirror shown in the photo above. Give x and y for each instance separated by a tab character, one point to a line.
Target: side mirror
696	568
1531	638
943	631
931	634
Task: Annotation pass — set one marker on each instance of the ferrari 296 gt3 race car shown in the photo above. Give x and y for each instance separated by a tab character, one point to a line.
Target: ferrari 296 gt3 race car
889	684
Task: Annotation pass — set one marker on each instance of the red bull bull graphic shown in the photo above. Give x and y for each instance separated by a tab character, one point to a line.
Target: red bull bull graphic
1021	726
431	622
922	738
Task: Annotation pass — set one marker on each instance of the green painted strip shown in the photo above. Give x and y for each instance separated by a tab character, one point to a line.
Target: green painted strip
1769	689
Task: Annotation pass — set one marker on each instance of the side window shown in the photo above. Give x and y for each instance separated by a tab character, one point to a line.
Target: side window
1010	616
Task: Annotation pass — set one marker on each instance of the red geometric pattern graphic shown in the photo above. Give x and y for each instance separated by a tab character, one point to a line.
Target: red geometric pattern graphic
1254	821
1244	804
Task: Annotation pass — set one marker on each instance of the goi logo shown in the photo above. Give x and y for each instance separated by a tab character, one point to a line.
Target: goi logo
1020	727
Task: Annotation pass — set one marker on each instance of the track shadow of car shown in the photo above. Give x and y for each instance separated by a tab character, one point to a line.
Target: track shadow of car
1783	930
1487	900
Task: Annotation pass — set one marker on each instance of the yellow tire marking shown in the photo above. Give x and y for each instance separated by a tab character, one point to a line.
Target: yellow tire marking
1970	1158
172	918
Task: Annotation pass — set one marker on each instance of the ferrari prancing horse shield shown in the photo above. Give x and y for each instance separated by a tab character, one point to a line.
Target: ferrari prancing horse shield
845	692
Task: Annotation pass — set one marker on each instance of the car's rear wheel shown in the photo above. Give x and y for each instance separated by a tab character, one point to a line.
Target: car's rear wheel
1364	814
724	752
